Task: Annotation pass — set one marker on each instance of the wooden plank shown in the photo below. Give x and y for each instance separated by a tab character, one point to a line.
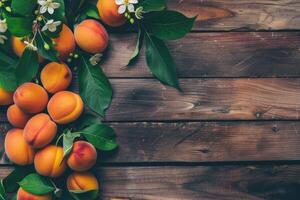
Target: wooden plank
255	54
268	182
205	99
215	15
200	142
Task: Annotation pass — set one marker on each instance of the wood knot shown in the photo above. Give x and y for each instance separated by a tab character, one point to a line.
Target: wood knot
258	115
275	129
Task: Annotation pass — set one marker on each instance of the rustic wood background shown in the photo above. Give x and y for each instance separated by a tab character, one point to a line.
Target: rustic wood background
234	132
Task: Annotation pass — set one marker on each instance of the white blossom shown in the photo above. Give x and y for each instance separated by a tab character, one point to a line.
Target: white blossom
95	59
126	5
30	45
51	25
2	39
48	5
3	25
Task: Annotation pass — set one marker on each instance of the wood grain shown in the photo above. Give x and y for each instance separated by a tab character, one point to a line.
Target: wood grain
268	182
199	142
216	15
205	99
255	54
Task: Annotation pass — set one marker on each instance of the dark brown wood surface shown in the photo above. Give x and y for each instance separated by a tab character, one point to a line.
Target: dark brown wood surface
234	131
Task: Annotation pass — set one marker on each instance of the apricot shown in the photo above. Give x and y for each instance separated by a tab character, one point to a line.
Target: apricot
108	11
50	162
6	97
31	98
82	157
91	36
82	181
18	47
23	195
39	131
56	77
17	117
65	42
65	107
16	148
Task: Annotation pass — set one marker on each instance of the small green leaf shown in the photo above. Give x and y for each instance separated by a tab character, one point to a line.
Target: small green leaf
101	136
37	184
3	195
10	182
160	61
138	47
27	67
84	194
168	25
19	26
94	87
89	11
23	7
8	79
51	53
68	140
153	5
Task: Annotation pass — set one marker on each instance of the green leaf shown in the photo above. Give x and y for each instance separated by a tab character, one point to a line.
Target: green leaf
11	181
138	47
27	67
94	87
37	184
87	119
50	54
3	195
8	79
19	26
168	25
101	136
68	140
89	11
84	194
153	5
160	61
23	7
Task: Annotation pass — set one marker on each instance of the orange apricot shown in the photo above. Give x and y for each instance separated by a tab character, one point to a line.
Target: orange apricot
50	162
31	98
65	107
17	117
23	195
56	77
82	181
39	131
6	97
16	148
18	47
108	11
82	157
65	42
91	36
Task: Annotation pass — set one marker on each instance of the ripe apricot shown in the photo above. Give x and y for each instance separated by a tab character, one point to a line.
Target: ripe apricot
17	117
39	131
23	195
65	107
49	161
65	42
108	11
16	148
6	97
82	157
31	98
56	77
82	181
91	36
18	47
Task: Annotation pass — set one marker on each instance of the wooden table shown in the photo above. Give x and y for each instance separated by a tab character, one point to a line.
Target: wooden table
234	132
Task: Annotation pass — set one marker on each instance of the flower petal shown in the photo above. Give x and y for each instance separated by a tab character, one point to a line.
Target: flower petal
130	8
133	1
44	28
120	2
50	10
55	5
43	9
122	9
42	2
